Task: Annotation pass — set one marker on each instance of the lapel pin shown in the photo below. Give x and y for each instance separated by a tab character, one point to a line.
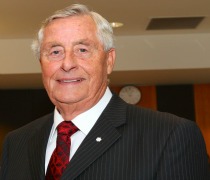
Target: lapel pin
98	139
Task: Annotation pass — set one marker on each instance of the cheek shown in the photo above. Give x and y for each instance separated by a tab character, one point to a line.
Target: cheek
48	69
100	72
45	78
46	74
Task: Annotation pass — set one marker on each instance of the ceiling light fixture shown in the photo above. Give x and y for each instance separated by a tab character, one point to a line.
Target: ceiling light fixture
116	24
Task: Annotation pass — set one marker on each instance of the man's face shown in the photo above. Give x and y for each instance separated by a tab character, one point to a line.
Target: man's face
74	64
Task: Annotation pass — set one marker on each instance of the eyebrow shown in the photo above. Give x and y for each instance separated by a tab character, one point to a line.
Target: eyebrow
51	44
85	42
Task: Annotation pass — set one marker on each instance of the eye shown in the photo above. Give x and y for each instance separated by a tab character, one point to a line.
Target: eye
82	50
56	53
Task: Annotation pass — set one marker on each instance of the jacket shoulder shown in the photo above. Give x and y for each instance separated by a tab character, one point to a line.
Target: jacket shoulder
148	116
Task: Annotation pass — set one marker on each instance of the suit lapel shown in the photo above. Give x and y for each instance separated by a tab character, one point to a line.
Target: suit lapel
103	135
37	148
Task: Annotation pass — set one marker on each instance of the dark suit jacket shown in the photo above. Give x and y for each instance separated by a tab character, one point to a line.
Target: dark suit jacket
137	144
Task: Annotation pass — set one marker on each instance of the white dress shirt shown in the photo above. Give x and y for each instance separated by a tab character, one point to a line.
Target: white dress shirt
84	122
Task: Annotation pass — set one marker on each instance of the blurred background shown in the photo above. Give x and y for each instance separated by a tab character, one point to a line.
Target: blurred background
163	49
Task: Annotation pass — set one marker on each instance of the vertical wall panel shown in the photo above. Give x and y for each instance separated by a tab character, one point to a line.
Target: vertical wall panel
4	129
148	97
176	99
202	111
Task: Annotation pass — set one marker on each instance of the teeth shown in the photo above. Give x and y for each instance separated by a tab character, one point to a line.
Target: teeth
68	81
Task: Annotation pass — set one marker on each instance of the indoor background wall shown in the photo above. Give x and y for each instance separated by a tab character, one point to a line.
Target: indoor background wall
202	110
18	107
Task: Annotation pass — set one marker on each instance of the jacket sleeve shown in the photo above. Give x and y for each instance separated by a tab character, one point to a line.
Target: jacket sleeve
184	156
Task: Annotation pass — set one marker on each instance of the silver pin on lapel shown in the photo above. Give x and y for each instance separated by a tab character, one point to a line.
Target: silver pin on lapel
98	139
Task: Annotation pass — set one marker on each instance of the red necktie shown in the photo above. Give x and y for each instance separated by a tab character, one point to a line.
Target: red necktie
60	156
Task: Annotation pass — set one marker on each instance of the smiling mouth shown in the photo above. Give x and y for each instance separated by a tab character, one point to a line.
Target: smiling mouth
71	80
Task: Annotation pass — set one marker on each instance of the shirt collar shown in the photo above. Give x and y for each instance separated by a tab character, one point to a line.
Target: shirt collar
86	120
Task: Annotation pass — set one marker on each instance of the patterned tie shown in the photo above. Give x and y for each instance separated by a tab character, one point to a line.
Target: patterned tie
60	156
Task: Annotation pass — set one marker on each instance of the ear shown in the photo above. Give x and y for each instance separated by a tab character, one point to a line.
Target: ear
111	60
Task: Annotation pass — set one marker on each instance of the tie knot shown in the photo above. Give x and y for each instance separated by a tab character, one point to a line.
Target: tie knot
66	128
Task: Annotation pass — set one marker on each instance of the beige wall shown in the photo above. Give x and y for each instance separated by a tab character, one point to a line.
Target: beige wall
146	52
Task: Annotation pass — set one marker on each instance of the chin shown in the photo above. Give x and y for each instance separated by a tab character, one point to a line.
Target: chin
68	99
69	96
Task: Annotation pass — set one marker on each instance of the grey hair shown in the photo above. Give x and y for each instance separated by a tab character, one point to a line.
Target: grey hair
104	29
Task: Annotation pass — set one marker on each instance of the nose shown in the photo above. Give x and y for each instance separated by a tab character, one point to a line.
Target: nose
68	63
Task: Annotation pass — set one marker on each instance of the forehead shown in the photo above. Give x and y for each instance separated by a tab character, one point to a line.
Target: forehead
66	31
73	25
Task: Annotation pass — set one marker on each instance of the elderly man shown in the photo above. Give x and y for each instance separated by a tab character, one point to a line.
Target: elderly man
93	134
